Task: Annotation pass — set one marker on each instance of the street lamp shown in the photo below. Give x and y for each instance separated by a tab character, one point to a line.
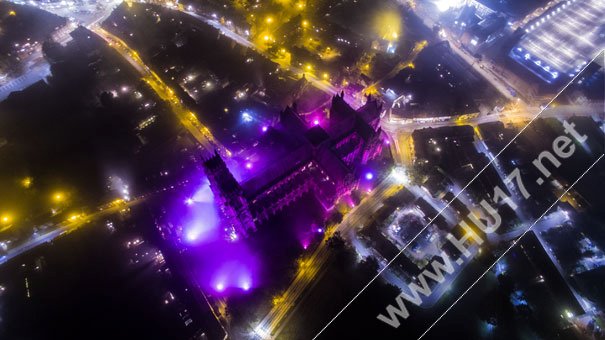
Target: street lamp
262	331
400	175
6	219
58	197
27	182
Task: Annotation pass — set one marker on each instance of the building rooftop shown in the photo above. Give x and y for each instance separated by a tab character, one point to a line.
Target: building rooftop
562	40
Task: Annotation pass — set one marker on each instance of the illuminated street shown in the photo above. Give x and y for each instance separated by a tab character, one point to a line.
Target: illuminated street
185	116
317	82
67	228
311	266
305	169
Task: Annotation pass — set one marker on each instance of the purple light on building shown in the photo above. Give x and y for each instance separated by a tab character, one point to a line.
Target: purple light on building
349	201
219	266
224	267
203	194
200	231
305	244
369	176
265	128
245	284
232	272
198	217
248	165
192	235
316	121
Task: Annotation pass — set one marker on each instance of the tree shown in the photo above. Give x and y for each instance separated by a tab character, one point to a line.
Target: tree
336	242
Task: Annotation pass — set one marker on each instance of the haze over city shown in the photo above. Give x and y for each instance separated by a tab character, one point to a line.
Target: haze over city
302	169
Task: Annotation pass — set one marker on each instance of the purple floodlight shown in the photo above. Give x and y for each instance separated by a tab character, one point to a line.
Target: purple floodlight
245	284
192	235
226	267
198	216
220	266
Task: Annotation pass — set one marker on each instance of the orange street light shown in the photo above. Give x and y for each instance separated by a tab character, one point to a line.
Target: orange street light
27	182
58	197
6	219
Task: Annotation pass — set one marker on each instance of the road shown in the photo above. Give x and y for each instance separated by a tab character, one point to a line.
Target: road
516	196
185	116
37	68
272	324
35	73
318	83
553	220
392	125
428	17
315	81
409	62
66	228
86	14
91	17
276	319
400	130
